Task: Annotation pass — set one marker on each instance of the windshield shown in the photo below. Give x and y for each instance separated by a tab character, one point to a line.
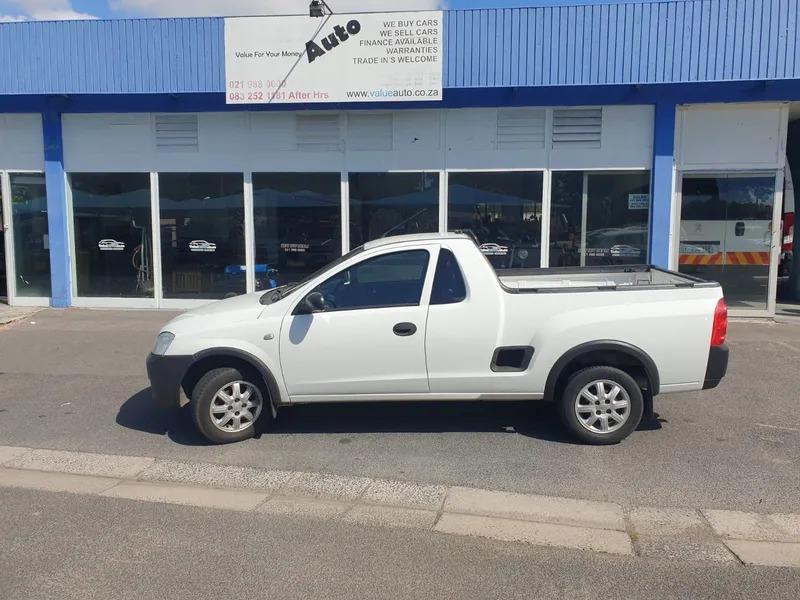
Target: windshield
284	291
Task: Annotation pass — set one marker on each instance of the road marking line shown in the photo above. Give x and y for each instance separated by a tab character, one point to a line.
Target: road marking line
769	554
539	520
538	534
55	482
543	509
778	427
9	453
241	500
81	463
787	345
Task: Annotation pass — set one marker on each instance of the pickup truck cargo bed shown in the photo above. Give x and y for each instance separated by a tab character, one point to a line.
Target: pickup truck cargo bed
596	278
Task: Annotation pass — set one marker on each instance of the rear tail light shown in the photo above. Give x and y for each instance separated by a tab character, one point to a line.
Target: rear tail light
719	331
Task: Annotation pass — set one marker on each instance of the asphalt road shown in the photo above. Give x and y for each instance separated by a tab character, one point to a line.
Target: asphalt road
75	380
64	546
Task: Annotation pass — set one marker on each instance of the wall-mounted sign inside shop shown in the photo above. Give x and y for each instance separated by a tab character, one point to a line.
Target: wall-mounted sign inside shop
378	57
110	246
494	249
638	201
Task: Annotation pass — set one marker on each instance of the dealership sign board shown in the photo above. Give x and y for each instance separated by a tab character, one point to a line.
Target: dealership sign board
375	57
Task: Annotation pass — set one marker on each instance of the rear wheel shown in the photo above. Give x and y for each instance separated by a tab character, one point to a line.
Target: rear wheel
228	404
601	405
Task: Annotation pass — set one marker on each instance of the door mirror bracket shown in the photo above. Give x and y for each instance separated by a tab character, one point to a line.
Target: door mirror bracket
313	303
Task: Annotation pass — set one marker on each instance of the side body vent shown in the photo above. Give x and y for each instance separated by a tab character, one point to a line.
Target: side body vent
512	359
577	127
520	128
177	133
318	133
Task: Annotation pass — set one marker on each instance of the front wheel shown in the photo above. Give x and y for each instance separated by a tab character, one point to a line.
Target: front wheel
227	404
601	405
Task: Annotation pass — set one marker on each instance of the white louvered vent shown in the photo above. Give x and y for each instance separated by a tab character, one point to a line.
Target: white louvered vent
318	133
520	128
577	127
370	132
177	133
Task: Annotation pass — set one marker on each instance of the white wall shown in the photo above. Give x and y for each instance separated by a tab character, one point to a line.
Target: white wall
21	143
715	137
364	141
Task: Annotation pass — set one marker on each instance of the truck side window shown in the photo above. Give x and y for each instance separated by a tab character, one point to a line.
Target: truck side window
448	285
394	279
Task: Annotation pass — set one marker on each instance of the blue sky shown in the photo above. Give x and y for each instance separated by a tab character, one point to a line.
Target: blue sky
66	9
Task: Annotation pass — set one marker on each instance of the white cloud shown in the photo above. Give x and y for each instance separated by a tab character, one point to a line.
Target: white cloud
261	7
44	10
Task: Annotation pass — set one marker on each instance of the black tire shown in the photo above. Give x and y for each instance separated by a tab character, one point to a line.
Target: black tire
585	377
204	393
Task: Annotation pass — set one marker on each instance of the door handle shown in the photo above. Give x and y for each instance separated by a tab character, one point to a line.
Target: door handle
405	329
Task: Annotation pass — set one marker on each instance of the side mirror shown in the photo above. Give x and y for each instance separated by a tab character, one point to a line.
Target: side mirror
313	303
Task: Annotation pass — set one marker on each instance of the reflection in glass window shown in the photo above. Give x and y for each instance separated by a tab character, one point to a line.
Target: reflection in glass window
386	204
448	283
113	241
504	211
3	275
726	234
202	234
393	279
617	216
566	218
297	225
31	237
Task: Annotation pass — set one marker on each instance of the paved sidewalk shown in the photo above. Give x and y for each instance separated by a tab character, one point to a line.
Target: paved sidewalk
9	315
605	527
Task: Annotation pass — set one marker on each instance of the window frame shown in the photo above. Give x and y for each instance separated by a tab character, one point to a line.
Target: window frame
442	250
424	294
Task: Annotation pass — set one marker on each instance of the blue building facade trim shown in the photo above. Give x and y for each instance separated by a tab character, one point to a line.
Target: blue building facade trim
661	182
57	213
675	41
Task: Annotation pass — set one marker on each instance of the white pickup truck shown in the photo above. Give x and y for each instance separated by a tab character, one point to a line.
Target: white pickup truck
426	317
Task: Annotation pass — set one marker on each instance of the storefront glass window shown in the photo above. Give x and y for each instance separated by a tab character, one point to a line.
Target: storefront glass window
599	218
566	219
31	237
386	204
202	234
503	210
298	225
113	241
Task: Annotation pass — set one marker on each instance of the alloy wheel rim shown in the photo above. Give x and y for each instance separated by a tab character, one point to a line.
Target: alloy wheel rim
236	406
602	406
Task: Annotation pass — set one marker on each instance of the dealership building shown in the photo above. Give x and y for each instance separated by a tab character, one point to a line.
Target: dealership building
163	163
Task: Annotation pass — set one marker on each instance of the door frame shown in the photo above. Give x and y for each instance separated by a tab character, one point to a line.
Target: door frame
8	225
433	249
775	244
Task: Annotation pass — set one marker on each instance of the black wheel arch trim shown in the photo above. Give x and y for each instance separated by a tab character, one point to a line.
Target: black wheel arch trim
600	345
257	363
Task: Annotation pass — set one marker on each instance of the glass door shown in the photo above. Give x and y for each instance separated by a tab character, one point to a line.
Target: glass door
726	235
3	274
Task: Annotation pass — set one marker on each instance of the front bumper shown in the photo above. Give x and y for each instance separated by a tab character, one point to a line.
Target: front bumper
166	374
717	366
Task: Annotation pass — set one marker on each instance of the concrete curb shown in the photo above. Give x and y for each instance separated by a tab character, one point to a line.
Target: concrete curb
680	534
